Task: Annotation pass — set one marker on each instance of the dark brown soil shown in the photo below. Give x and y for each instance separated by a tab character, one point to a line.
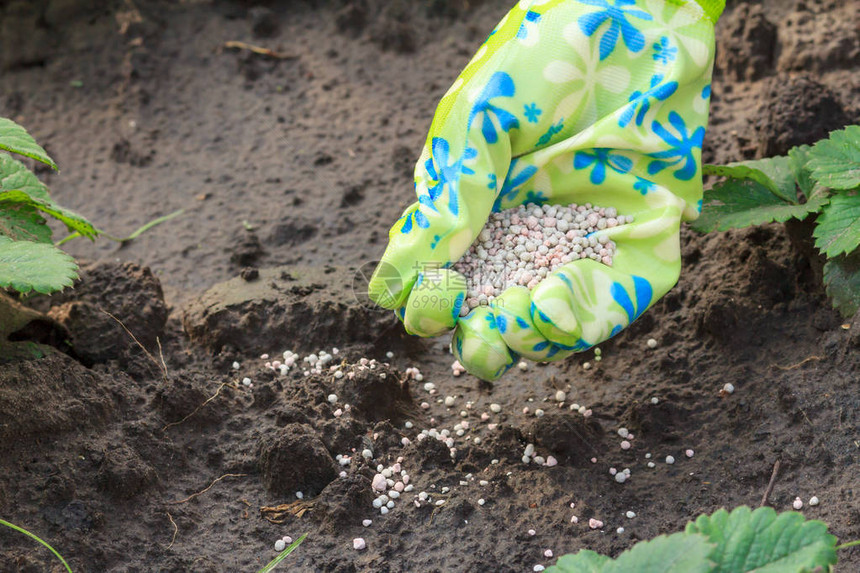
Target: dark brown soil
290	172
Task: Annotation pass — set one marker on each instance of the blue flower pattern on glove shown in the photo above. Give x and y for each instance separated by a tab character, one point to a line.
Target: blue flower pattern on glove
538	198
419	218
616	13
643	185
514	181
681	148
532	113
553	129
532	18
502	323
601	158
500	85
644	293
642	101
446	175
458	304
491	321
664	51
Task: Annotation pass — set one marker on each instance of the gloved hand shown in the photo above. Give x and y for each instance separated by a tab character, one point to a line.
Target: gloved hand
568	101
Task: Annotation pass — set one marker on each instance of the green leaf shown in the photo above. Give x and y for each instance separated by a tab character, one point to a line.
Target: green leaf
26	266
800	164
775	173
22	222
678	553
15	138
585	561
835	162
19	185
842	280
736	204
765	542
837	229
271	565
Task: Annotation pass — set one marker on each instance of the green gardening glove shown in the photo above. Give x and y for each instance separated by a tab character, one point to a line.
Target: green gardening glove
568	101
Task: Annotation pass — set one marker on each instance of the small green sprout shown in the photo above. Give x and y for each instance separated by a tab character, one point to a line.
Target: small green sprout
40	540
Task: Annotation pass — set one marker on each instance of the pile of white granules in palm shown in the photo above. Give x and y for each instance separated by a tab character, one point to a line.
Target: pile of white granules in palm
524	245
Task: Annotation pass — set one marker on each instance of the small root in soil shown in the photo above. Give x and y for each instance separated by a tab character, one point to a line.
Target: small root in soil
799	364
204	490
198	408
162	367
175	530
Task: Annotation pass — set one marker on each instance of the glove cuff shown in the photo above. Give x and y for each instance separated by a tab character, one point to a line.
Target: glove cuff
713	8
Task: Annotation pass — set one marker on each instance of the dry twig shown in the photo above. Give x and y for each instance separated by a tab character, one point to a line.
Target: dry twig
279	513
236	45
770	484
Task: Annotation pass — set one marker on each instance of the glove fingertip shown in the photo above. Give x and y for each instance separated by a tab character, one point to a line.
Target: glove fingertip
387	287
434	303
480	348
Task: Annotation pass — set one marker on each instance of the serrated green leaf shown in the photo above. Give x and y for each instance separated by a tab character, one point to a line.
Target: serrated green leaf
775	173
800	163
835	162
837	229
842	281
765	542
22	222
19	185
26	266
678	553
585	561
735	204
15	138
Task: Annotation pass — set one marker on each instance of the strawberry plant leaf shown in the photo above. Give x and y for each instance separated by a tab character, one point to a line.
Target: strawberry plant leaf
678	553
842	281
585	561
837	229
22	222
735	204
26	266
775	173
800	163
15	138
19	185
765	542
835	162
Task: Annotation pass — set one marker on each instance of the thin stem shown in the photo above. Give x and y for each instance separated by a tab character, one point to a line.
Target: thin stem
138	232
68	238
28	534
854	543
